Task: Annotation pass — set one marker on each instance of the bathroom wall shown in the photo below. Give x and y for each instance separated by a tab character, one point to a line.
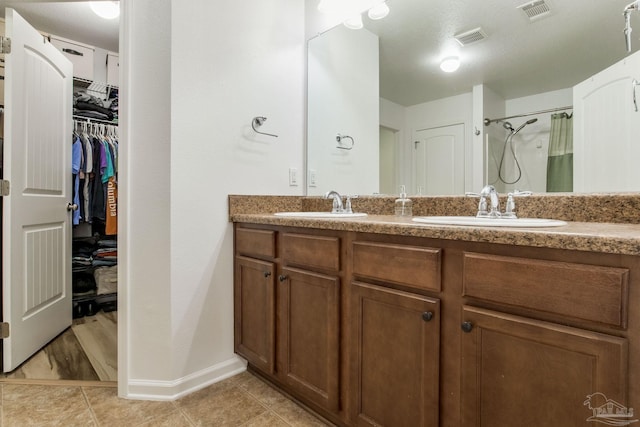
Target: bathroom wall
531	143
340	104
196	74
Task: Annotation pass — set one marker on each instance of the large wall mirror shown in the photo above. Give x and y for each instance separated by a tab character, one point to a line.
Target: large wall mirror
382	113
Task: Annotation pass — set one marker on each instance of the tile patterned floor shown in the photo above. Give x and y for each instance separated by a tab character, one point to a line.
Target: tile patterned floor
243	400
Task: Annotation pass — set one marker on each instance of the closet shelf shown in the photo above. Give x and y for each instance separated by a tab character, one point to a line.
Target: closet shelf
94	120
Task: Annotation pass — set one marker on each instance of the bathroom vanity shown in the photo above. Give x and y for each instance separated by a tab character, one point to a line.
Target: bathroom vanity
381	321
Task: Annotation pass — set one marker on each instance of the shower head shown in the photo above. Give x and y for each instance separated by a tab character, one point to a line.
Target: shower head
528	122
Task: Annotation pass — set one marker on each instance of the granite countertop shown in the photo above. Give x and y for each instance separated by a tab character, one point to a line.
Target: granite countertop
583	235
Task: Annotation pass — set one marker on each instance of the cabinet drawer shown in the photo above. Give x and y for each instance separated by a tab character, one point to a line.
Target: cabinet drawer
81	56
256	242
581	291
411	266
311	251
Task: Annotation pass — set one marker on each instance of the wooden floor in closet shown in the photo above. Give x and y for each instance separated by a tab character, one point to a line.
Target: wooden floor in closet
86	351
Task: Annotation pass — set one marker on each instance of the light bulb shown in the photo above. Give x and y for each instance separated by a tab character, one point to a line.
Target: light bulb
450	64
379	11
106	9
354	23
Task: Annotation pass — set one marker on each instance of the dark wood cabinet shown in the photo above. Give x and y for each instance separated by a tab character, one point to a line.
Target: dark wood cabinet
309	335
395	351
387	330
254	305
531	373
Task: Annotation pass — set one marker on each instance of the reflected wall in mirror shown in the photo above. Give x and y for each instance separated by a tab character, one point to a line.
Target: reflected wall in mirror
342	127
523	64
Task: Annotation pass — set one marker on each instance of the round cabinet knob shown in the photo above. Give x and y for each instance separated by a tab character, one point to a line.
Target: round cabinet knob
467	326
267	274
282	277
427	316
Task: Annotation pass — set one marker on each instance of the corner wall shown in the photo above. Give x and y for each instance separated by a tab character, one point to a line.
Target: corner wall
199	72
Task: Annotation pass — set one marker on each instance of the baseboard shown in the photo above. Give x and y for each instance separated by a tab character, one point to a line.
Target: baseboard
138	389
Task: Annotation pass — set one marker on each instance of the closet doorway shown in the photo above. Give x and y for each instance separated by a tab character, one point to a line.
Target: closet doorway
87	350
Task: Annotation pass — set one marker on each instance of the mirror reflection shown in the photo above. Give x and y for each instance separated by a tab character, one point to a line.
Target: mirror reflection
425	128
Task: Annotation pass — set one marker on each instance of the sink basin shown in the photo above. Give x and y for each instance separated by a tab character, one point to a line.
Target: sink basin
319	214
489	222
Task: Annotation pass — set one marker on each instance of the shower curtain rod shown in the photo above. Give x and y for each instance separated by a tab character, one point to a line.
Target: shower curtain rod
487	122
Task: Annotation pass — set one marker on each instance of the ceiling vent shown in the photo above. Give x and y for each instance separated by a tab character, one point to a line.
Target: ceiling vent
471	36
535	10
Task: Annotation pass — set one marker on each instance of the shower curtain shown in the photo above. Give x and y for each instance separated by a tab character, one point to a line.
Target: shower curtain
560	160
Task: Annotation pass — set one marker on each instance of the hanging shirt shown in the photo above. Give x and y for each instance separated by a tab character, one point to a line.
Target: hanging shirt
87	189
109	171
76	160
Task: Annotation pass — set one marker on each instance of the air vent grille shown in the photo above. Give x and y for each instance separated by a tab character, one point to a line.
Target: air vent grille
536	9
471	36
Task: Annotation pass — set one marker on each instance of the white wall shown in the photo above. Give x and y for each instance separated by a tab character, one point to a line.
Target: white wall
144	291
198	73
492	106
393	117
343	98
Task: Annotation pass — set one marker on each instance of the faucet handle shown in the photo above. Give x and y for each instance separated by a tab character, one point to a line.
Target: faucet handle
509	211
347	206
482	204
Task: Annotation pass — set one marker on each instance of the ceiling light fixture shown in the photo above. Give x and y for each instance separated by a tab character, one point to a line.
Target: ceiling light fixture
354	23
379	11
376	9
450	64
106	9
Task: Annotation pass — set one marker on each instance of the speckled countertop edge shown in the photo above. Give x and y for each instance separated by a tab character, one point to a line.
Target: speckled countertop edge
583	232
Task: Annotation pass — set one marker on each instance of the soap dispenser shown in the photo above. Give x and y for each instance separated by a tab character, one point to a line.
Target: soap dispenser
404	206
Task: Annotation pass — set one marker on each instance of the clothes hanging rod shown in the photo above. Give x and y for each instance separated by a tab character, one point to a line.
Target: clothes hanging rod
487	122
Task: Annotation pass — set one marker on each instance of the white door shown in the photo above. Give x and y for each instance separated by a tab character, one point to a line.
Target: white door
439	160
606	126
36	227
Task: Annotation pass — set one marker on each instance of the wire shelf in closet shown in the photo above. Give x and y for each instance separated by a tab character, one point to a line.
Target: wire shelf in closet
84	119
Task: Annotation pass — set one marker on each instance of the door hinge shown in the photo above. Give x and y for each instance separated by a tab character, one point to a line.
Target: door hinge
4	330
5	44
4	187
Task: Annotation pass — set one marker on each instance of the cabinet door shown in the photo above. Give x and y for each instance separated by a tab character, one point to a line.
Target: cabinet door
80	55
395	344
309	335
254	305
529	373
113	69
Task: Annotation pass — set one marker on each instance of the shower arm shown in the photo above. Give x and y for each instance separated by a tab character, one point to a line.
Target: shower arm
627	22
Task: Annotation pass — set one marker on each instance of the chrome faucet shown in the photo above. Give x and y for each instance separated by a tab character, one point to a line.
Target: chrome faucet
337	201
490	192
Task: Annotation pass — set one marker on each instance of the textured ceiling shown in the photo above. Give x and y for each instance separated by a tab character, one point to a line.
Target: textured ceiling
519	57
72	20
